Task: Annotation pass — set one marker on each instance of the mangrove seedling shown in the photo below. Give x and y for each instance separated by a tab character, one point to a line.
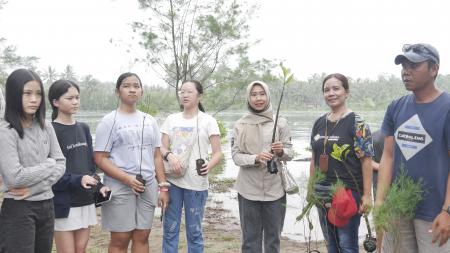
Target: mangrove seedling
287	78
401	202
312	198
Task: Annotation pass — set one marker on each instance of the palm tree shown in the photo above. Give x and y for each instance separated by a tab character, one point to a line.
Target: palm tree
69	74
49	76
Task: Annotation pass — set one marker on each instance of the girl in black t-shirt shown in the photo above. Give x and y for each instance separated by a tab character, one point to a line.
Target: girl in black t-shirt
74	192
341	149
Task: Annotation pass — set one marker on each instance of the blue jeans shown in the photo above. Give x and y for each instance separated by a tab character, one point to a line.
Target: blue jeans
343	239
194	206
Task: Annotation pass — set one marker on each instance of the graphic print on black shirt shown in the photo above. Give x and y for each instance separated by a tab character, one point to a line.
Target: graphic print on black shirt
349	139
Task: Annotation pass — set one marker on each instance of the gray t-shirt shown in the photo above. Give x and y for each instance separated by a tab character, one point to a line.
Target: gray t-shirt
121	135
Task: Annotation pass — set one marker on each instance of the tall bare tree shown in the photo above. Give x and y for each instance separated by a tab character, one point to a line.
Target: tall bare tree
188	39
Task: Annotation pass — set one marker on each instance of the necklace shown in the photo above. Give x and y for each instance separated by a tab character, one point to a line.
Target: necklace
323	158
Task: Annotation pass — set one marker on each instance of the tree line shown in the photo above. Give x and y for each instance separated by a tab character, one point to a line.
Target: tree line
207	41
228	93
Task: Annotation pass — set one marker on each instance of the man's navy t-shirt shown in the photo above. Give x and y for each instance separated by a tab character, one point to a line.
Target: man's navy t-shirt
422	142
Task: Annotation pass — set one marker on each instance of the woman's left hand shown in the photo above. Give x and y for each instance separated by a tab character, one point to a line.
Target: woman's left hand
104	190
163	199
366	204
20	193
205	169
88	181
277	148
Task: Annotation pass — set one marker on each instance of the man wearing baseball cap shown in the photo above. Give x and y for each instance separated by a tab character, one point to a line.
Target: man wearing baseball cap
417	130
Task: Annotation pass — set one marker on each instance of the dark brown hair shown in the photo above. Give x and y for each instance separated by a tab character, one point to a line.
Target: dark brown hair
339	77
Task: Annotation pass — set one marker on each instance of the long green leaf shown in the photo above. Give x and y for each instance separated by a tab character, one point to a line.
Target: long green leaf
290	78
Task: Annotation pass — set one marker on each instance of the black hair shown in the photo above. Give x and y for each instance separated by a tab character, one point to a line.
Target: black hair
199	88
56	90
14	113
339	77
125	75
431	64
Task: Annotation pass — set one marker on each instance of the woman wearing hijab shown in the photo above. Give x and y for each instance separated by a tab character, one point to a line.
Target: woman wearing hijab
262	199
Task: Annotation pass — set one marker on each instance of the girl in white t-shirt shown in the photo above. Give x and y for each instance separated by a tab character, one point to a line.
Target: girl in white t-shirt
179	131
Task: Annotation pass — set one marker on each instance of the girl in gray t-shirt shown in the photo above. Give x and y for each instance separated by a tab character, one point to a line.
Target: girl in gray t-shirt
127	149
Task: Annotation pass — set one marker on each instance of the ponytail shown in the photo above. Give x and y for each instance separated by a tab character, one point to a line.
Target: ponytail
54	112
56	90
199	88
200	107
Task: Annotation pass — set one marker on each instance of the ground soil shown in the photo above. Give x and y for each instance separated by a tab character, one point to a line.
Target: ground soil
220	229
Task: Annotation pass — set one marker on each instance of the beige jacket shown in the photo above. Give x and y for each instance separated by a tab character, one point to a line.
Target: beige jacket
254	182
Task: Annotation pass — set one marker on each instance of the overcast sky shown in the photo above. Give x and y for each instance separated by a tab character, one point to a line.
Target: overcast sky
358	38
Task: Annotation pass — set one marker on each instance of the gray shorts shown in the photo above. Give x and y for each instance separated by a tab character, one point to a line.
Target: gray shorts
126	212
412	236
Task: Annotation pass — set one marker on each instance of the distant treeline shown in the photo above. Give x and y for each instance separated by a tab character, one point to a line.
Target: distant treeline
365	94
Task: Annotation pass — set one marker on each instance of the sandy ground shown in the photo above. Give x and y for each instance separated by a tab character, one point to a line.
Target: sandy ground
220	229
221	233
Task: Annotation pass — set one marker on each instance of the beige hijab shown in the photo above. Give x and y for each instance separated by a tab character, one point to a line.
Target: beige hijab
250	137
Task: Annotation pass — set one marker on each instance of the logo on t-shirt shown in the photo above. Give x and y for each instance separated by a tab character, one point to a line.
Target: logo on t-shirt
411	137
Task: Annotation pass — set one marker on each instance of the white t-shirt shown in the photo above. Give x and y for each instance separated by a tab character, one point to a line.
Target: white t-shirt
181	132
122	138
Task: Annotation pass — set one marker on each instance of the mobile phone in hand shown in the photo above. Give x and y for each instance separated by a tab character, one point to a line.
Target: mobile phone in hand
102	199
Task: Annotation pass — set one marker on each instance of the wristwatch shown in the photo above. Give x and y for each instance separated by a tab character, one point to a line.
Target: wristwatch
166	155
447	209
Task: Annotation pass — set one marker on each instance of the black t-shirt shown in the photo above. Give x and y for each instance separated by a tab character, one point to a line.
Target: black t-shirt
76	145
349	138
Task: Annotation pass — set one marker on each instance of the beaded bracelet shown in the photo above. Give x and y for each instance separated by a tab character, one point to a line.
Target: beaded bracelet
164	184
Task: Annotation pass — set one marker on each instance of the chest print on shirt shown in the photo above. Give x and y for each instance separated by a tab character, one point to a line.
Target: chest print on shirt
340	152
411	137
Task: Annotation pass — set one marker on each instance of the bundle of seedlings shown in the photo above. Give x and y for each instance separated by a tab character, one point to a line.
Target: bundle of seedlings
337	186
401	202
312	197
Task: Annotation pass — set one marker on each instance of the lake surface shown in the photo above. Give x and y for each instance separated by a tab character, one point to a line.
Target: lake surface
300	123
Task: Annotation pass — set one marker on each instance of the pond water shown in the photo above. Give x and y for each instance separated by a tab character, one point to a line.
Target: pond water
300	123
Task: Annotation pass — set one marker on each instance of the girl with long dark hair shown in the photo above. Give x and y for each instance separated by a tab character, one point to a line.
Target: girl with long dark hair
31	162
75	191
